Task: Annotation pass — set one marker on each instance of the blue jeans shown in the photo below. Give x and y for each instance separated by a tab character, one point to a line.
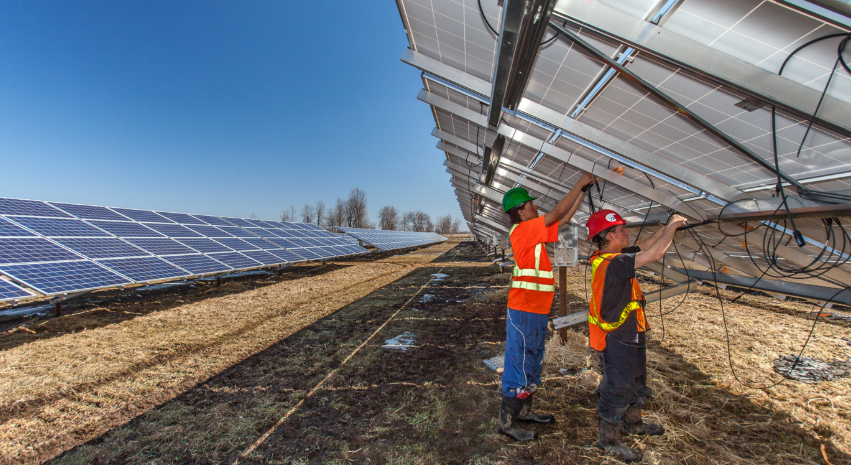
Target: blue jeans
525	338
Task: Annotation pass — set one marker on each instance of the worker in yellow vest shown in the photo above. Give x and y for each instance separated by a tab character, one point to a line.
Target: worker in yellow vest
617	326
529	302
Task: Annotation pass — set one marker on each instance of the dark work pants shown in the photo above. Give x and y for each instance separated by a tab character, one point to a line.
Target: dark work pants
624	380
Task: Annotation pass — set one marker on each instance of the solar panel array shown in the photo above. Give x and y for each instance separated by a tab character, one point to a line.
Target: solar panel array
664	101
390	240
56	248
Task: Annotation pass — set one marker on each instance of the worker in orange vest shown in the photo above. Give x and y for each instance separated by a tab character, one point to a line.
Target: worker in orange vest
529	302
617	326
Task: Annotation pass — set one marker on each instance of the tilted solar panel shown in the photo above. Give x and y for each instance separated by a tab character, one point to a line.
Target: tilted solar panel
213	220
181	218
56	278
125	229
102	247
146	216
161	246
235	260
58	227
90	212
30	208
204	245
198	264
144	268
32	249
9	229
173	230
236	244
10	291
263	257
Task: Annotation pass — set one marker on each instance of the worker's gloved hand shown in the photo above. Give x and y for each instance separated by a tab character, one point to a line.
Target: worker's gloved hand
586	180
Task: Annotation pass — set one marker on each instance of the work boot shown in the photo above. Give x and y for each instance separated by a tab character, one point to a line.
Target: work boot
527	415
633	424
608	441
508	410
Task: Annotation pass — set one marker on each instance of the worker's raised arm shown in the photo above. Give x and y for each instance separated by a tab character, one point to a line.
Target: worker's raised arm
566	218
566	204
646	244
660	246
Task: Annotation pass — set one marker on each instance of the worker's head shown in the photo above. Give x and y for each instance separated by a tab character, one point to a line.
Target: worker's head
519	205
606	228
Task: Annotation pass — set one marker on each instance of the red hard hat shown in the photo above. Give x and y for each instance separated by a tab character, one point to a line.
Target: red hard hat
601	220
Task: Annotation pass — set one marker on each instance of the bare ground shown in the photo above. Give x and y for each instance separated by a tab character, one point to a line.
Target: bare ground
299	376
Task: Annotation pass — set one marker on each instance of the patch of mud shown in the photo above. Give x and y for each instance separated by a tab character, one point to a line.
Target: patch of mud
812	370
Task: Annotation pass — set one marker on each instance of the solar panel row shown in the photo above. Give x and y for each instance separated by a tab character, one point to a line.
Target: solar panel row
58	248
390	240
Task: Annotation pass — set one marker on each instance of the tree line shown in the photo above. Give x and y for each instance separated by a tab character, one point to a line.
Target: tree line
352	213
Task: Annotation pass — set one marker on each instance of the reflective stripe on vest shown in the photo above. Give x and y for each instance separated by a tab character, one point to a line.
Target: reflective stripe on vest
532	273
633	305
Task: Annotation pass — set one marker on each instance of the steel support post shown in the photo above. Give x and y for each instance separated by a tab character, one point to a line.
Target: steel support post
562	299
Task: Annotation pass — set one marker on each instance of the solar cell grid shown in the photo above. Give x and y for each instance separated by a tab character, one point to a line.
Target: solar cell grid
286	255
263	257
144	269
102	247
204	245
260	232
198	264
173	230
236	244
181	218
208	231
58	227
235	231
145	216
213	220
236	260
8	229
261	243
161	246
10	291
29	208
238	222
125	228
308	254
32	249
90	212
55	278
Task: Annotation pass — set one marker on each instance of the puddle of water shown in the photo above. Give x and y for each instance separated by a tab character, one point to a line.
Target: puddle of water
426	298
439	277
401	342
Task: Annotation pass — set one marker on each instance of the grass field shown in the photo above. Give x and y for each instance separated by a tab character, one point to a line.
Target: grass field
291	369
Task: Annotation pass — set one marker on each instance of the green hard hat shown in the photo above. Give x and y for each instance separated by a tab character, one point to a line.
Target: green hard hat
515	197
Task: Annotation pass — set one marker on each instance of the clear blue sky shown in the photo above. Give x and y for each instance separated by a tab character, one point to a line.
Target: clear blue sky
224	108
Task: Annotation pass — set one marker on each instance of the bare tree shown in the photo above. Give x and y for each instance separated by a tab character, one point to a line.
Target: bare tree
307	214
356	216
320	212
288	214
421	221
456	226
407	223
253	216
336	215
443	225
388	218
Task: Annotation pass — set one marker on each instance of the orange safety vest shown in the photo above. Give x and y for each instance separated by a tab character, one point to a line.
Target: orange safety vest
532	281
596	325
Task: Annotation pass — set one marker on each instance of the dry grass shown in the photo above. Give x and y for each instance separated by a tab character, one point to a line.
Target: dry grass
63	391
